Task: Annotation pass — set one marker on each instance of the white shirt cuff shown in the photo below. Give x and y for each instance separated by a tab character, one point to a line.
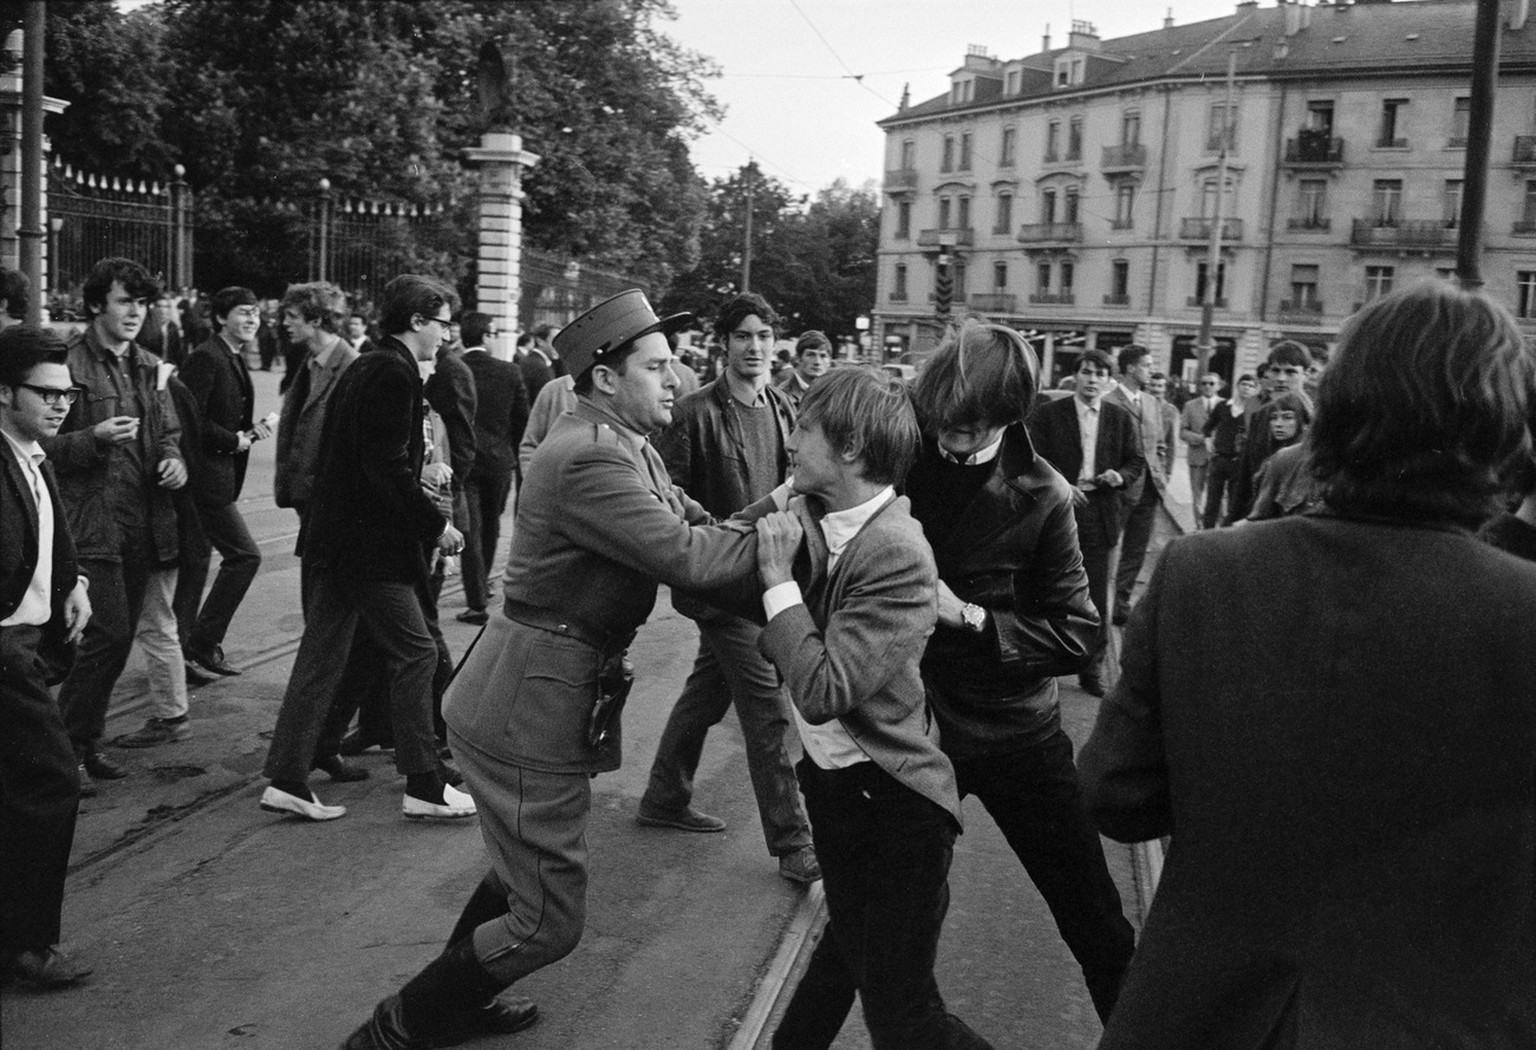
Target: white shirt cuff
781	596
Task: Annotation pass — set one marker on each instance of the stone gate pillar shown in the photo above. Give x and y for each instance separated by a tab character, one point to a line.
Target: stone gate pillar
502	161
11	161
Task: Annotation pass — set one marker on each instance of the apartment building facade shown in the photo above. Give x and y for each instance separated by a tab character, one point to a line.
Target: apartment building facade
1072	193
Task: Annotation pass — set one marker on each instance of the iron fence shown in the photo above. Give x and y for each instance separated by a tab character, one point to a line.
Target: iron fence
92	217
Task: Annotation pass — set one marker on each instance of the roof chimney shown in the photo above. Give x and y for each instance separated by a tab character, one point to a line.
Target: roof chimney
1045	41
1168	19
906	96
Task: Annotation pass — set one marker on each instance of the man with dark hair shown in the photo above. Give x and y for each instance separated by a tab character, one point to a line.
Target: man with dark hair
1353	825
501	415
542	361
118	458
43	607
16	295
880	793
365	544
161	334
1192	419
451	394
1014	612
355	333
1285	373
1144	497
1224	436
534	713
1094	446
726	449
217	375
813	356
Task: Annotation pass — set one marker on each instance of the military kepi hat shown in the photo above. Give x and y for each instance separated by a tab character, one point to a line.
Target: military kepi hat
609	325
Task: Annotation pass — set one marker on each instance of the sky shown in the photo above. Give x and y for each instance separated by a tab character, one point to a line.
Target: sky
788	67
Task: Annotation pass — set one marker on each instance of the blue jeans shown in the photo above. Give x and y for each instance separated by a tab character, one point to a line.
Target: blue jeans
730	670
885	852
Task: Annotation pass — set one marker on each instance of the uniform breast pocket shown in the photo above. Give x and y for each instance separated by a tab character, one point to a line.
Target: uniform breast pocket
558	689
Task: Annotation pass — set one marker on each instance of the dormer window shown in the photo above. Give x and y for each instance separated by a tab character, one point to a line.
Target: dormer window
1069	71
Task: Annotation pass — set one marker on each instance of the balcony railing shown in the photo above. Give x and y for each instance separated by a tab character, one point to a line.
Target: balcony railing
946	236
1307	224
1043	232
1525	151
1199	229
1301	311
1128	156
1052	298
1308	149
1404	233
1111	299
1199	300
901	179
993	302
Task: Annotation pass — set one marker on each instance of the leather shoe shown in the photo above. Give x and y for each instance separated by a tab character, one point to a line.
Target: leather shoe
275	800
353	744
100	767
800	866
1092	684
686	819
456	805
211	661
501	1016
196	676
87	786
338	770
43	968
474	616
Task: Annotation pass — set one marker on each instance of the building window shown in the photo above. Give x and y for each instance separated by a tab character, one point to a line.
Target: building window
1125	203
1130	128
1378	281
1201	272
963	214
1052	141
965	151
1068	272
1043	278
1312	203
1075	139
948	163
1303	286
944	205
999	277
1461	114
1387	202
1120	279
1004	213
899	287
903	220
1208	199
1013	82
1452	203
1009	147
1320	118
958	268
1069	199
1048	206
908	155
1394	112
1525	282
1528	205
1220	130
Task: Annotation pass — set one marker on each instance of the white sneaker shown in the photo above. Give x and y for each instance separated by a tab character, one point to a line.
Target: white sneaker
455	806
282	802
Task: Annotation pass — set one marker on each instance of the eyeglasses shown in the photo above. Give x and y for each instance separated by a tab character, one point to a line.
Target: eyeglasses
444	321
52	395
1207	384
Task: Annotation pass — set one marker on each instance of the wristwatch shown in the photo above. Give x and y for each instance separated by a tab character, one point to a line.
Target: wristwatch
974	616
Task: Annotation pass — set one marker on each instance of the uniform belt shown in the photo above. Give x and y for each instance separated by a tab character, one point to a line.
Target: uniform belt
606	642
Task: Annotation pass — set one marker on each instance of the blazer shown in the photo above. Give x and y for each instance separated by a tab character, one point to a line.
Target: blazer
1153	434
1014	552
84	467
501	414
537	370
221	384
19	543
303	421
450	390
1192	430
1353	824
369	518
851	650
706	454
1054	432
598	525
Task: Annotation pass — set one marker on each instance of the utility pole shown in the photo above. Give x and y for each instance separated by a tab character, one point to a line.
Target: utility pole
1204	347
29	231
1474	179
746	254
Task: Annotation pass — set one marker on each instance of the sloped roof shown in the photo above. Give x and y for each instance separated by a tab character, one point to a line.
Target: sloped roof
1363	39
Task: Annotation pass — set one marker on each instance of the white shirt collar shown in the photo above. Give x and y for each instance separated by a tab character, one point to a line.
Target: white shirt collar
475	350
980	456
1133	395
1084	409
30	450
840	526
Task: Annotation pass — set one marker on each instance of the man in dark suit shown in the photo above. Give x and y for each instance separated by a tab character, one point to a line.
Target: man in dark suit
368	528
501	414
542	361
217	376
162	335
1143	497
1192	419
1094	446
1353	857
848	620
43	606
450	392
